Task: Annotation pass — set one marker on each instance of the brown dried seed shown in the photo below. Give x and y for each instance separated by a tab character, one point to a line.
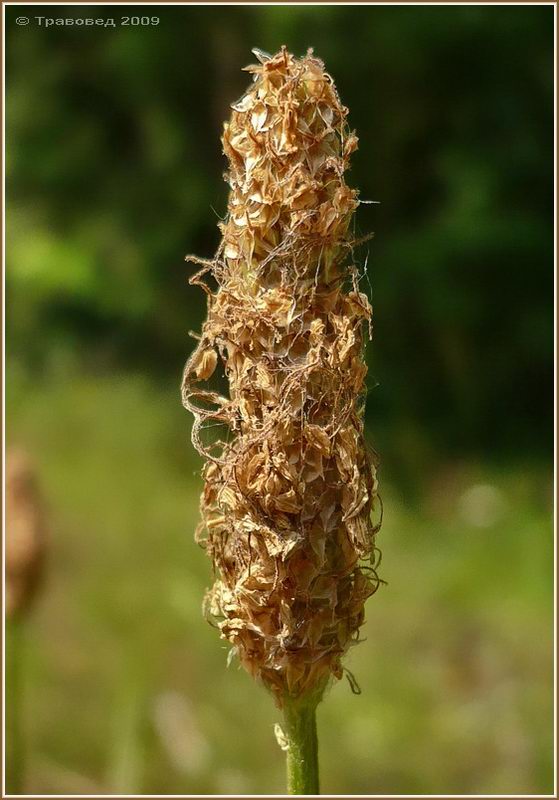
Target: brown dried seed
204	366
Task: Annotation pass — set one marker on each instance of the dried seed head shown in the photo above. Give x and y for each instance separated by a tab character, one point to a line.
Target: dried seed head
289	491
25	533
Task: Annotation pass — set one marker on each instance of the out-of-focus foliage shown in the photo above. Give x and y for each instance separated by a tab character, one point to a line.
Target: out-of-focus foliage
114	174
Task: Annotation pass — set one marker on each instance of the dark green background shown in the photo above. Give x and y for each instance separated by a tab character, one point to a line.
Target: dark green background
114	173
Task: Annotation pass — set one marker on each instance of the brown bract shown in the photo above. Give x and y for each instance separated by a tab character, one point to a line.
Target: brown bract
289	489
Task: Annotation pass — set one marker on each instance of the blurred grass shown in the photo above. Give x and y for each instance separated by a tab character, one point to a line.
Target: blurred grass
128	688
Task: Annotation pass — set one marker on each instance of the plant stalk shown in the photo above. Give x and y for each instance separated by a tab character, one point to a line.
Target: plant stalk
15	755
302	746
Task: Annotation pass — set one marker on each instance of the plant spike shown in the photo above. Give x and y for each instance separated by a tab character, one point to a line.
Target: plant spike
290	486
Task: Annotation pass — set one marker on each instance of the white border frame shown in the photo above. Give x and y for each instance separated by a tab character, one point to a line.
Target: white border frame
218	3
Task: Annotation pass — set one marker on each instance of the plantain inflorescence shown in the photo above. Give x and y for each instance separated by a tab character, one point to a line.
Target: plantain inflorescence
290	485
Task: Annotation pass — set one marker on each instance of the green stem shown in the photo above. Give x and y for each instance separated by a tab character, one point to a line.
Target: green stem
302	746
15	755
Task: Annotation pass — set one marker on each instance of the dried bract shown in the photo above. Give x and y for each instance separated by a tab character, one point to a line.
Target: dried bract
289	490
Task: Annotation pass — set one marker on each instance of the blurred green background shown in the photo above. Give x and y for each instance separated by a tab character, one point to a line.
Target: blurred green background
114	173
